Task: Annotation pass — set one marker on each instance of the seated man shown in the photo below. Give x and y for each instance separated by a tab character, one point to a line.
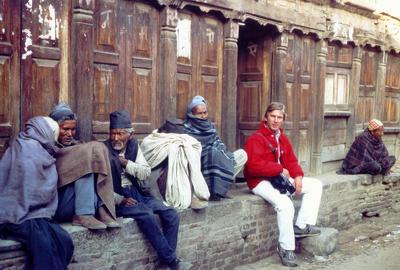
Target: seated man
218	165
79	165
28	196
129	169
271	154
368	153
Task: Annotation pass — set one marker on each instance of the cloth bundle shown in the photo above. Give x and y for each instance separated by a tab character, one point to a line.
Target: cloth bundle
184	171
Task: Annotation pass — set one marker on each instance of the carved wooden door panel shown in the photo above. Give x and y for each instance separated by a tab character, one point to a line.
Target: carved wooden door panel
125	69
9	71
254	82
40	56
199	68
366	99
391	108
298	94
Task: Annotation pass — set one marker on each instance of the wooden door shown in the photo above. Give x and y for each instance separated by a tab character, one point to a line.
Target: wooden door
300	66
254	82
9	71
366	99
199	67
125	64
391	108
40	56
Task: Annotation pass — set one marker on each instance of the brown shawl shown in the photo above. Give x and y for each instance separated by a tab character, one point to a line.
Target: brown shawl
75	161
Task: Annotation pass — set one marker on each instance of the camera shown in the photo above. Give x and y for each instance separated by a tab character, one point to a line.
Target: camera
283	184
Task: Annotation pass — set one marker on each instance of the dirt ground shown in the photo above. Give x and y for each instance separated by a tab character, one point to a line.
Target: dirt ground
373	244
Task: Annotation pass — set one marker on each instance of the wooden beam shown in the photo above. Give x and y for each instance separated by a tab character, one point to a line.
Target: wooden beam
168	59
318	111
82	61
353	95
229	86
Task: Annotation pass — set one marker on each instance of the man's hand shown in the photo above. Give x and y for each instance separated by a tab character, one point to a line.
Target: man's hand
298	184
123	161
129	202
286	173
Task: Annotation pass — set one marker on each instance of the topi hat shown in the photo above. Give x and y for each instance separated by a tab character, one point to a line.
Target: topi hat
374	124
120	119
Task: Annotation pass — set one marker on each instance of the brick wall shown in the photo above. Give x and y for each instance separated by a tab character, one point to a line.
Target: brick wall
226	234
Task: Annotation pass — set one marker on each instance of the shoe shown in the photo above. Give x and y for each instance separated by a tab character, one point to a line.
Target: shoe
88	221
309	230
197	204
180	265
105	217
288	258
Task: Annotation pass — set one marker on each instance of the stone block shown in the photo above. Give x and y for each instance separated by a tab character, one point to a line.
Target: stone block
321	245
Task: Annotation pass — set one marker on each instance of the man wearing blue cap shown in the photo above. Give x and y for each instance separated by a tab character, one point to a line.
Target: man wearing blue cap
80	166
129	170
218	165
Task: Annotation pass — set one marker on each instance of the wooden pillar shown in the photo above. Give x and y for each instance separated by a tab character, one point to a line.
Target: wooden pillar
318	112
354	95
279	70
229	86
380	86
82	63
168	59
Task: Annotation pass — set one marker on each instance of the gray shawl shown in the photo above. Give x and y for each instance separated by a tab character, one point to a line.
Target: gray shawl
28	176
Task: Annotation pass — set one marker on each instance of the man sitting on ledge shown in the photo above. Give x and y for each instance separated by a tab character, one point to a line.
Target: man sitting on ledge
129	170
218	165
368	153
271	155
85	181
28	197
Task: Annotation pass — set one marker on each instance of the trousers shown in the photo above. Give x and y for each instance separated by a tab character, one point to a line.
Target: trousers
283	205
47	244
77	198
164	239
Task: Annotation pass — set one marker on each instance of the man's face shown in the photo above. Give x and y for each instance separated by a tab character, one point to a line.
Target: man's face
378	133
119	138
274	120
200	111
67	132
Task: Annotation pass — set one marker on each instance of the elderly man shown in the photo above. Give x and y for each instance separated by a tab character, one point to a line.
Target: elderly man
28	196
271	157
80	166
129	170
218	165
368	153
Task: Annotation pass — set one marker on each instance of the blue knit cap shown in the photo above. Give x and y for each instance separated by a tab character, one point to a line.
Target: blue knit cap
197	100
61	112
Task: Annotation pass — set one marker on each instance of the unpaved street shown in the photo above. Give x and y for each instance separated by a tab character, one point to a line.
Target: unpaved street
372	245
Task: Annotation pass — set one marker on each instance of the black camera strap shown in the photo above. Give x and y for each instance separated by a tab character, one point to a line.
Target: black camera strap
273	150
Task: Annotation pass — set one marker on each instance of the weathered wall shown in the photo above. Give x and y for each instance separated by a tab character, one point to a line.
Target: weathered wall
228	233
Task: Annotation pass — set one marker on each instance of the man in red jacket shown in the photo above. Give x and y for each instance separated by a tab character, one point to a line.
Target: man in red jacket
270	154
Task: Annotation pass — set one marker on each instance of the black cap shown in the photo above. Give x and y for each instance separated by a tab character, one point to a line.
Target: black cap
120	119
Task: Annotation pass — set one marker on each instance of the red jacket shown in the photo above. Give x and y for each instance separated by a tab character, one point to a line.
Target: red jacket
261	163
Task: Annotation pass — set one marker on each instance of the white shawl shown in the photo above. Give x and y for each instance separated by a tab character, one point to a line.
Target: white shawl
184	167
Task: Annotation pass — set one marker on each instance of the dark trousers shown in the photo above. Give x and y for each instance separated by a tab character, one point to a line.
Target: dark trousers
77	198
48	245
163	239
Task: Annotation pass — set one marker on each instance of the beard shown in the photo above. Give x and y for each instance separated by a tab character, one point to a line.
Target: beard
118	145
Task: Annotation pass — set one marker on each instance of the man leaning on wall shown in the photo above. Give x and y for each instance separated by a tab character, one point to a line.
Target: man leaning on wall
368	153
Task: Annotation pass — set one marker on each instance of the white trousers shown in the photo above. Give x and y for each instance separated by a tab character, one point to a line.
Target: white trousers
283	205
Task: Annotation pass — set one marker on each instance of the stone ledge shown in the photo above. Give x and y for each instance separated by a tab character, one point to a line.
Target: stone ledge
227	233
